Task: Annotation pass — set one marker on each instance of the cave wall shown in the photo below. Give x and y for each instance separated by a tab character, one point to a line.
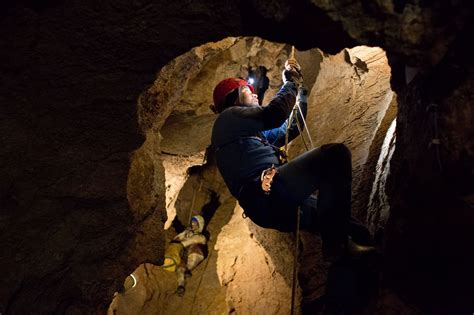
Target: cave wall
197	72
430	188
71	223
360	76
348	101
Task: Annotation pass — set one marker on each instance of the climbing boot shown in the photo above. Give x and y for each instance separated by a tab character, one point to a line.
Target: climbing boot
180	291
356	250
336	252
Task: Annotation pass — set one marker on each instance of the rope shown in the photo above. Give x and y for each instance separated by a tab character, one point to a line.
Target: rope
194	192
294	115
305	127
295	263
193	200
210	252
200	281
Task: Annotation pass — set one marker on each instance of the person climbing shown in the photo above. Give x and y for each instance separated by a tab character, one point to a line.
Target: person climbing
193	244
246	138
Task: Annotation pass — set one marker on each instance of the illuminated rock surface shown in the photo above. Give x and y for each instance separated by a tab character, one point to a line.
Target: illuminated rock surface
87	133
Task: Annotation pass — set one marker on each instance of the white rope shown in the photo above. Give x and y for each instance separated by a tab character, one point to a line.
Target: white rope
294	115
295	262
305	127
195	190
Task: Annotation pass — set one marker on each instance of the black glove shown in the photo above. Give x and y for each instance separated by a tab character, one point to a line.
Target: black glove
292	76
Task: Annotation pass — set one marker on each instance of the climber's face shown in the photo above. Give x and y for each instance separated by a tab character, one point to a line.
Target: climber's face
194	226
246	97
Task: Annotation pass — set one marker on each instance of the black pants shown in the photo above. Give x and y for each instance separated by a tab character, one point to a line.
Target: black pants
328	170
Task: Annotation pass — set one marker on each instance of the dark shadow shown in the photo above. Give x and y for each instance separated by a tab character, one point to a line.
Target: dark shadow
208	210
177	225
301	16
350	285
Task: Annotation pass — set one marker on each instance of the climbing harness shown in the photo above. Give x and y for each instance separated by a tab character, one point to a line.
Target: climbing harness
267	179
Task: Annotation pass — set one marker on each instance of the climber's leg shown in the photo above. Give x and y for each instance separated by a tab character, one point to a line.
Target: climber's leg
329	170
181	279
193	260
180	271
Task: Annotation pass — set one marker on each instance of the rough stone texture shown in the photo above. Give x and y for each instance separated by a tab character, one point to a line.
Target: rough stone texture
175	109
152	283
205	185
196	73
378	207
430	187
347	103
71	73
176	174
390	303
402	25
248	272
155	290
362	205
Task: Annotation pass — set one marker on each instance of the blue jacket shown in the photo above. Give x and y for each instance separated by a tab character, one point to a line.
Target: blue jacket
244	137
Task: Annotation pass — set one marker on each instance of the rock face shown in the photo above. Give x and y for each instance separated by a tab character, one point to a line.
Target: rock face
430	187
248	272
82	195
379	207
347	103
254	265
401	25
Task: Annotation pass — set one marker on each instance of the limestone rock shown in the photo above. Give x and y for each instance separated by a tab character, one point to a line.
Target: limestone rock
379	208
248	273
71	75
347	104
401	25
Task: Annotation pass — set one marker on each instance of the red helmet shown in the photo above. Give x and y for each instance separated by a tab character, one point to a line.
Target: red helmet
226	86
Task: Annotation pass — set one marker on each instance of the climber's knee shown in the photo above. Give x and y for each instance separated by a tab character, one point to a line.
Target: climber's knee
193	260
338	159
337	151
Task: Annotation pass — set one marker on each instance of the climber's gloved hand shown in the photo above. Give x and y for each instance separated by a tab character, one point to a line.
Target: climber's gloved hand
292	64
292	72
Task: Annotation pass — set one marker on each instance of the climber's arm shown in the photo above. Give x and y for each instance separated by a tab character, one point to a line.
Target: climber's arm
195	239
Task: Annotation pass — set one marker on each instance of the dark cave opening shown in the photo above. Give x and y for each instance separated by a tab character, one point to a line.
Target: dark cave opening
258	78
